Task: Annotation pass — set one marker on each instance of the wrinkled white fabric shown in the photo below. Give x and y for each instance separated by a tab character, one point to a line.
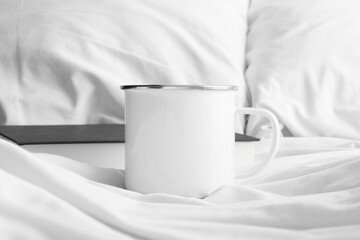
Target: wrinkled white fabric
303	60
310	191
62	62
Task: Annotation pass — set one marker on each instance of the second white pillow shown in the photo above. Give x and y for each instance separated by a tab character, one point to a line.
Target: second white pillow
303	61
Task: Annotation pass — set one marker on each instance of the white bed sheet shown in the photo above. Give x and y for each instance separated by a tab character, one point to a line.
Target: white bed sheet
310	191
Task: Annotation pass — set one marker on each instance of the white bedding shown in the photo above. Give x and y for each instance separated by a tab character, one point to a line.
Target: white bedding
62	62
303	64
310	191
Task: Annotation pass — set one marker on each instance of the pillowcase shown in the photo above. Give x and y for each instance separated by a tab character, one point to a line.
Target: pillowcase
62	62
303	61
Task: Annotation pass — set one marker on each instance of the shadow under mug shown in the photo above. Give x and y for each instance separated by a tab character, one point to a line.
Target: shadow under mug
179	139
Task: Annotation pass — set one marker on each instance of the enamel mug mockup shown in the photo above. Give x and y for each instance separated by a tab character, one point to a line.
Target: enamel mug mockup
179	139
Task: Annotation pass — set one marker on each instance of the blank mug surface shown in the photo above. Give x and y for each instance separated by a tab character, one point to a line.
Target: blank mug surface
179	141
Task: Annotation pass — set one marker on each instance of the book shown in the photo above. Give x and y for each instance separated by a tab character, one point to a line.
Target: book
97	144
70	134
64	134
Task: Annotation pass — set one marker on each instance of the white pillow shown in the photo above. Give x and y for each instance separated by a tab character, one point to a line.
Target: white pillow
303	59
62	62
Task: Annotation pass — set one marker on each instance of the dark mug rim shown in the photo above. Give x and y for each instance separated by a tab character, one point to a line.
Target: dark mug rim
181	87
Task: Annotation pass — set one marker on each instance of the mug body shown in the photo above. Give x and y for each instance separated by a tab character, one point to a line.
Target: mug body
179	140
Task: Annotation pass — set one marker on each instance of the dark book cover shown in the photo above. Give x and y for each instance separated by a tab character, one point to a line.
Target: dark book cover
64	134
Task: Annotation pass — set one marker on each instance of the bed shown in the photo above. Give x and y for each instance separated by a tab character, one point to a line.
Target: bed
310	191
63	63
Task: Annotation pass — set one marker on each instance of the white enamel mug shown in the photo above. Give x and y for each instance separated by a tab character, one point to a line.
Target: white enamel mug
179	139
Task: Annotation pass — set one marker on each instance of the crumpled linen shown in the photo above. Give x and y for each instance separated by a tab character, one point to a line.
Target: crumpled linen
310	191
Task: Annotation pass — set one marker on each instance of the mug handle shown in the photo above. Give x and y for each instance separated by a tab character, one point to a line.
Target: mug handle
247	172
